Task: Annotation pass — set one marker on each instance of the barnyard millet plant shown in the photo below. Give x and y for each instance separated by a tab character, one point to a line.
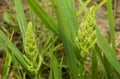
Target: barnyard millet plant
67	41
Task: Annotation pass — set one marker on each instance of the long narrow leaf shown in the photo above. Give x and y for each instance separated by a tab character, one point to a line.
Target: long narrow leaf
94	64
102	63
67	28
9	45
21	18
111	23
84	7
55	68
46	19
109	53
81	8
8	61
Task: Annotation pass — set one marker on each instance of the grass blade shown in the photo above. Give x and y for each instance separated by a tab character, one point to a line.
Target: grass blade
102	63
94	64
81	8
7	65
21	18
8	61
46	19
84	7
8	45
108	52
54	67
111	23
68	30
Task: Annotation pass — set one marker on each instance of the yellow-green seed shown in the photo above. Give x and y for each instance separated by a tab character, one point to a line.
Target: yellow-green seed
32	56
86	34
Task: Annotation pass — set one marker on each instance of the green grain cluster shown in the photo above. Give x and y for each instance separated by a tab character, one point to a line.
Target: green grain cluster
86	34
32	56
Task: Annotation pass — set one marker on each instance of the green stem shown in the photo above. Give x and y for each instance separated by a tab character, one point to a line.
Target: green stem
36	77
94	64
81	70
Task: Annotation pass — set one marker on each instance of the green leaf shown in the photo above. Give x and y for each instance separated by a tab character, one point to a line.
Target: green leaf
111	23
21	18
67	26
55	67
102	63
108	51
94	64
6	17
10	47
46	19
84	7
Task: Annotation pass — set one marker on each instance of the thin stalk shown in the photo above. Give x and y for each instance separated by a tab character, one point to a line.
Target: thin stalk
82	8
111	23
81	70
32	19
7	64
36	77
94	64
8	61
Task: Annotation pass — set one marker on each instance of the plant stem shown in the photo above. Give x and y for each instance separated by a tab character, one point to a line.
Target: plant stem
81	70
